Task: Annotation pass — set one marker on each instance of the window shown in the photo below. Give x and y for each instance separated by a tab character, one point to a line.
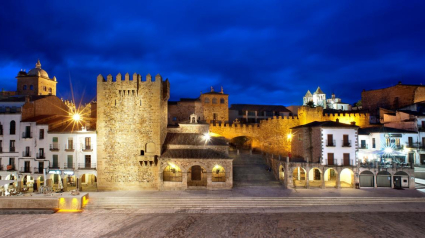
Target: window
410	141
27	151
55	162
31	87
251	113
373	143
24	87
50	90
330	141
41	136
88	142
12	127
70	162
44	88
12	146
87	161
330	158
363	144
41	153
1	129
222	100
423	124
345	141
214	101
346	159
207	100
174	118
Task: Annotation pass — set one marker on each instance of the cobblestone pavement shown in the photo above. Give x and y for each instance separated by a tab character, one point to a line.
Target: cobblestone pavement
124	224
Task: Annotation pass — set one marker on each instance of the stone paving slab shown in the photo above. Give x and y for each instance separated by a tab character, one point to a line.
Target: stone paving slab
116	224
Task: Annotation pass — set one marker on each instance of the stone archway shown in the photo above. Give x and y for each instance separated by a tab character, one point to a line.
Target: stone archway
299	177
315	177
197	176
330	178
281	173
346	177
383	179
218	174
172	173
366	179
88	183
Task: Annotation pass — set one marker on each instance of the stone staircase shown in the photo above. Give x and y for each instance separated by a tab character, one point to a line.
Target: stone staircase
250	170
208	203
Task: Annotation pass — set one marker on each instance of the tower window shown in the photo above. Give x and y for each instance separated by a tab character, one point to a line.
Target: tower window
207	100
24	87
214	101
222	100
31	87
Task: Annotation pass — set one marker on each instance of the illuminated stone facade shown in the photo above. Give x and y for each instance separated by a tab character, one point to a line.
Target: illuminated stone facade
209	107
131	126
36	82
271	135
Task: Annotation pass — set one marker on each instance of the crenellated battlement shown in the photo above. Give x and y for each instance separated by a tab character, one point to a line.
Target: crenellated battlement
137	78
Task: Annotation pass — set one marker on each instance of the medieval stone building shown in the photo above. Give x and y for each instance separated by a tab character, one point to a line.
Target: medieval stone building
210	107
36	82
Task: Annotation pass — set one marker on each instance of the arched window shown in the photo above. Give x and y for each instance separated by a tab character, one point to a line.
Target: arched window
12	127
207	100
50	90
222	100
44	88
31	87
24	87
214	101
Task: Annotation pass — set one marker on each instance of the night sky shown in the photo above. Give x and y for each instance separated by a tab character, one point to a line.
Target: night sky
261	52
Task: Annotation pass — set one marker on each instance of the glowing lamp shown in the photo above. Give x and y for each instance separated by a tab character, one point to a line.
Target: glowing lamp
76	117
388	150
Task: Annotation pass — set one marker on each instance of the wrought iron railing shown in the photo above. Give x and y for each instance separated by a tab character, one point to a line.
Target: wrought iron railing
330	143
86	165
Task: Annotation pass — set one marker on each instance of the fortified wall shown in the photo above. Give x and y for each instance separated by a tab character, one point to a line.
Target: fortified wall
131	127
274	135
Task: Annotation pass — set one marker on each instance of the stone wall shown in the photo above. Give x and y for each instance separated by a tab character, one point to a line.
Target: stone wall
306	144
190	128
50	105
180	111
271	135
392	98
131	127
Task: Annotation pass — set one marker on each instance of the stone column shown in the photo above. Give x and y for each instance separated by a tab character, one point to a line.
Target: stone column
286	174
307	179
323	178
374	180
338	178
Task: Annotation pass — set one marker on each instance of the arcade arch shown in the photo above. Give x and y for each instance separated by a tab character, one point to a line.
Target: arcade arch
197	176
315	177
299	177
346	178
330	178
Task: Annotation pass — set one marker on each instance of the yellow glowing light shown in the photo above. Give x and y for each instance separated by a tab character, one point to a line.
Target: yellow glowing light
289	136
214	134
85	200
68	210
173	166
207	137
76	117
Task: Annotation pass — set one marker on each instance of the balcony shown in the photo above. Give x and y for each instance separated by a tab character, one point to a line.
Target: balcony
412	145
398	147
54	147
12	149
68	165
26	153
10	167
87	148
27	135
330	143
25	170
40	156
54	166
364	147
69	147
346	143
38	170
86	165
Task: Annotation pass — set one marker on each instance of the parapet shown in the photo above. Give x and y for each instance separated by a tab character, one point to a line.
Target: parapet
137	78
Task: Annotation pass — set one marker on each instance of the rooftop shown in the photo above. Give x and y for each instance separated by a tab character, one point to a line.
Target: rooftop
192	139
194	154
326	124
382	129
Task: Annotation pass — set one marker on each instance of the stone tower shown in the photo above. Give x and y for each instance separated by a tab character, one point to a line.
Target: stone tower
131	127
36	82
215	106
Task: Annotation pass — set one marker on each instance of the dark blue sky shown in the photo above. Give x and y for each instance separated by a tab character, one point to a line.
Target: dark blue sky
261	52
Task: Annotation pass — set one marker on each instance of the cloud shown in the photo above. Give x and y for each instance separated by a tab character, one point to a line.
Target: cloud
268	52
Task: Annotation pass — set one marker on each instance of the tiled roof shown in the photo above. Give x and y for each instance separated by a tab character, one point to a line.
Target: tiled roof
192	139
194	154
326	124
382	129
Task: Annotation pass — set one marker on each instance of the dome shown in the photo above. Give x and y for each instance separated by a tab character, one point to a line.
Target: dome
37	71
